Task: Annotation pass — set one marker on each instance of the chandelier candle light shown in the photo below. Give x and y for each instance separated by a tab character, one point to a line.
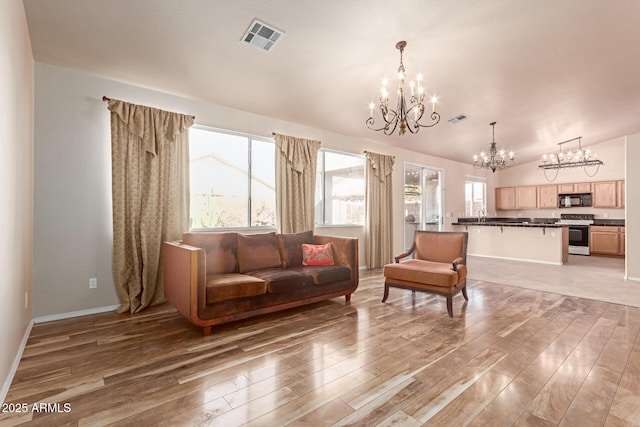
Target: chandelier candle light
578	159
403	117
494	159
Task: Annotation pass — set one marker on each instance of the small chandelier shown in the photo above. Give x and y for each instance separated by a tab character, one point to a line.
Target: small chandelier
585	159
403	117
494	159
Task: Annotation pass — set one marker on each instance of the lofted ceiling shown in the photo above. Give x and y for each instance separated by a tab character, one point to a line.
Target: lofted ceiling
544	70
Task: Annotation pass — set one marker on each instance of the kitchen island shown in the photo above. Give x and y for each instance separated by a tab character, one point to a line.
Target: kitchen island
535	240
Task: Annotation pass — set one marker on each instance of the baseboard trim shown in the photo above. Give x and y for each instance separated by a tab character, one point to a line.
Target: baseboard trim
635	279
516	259
62	316
14	366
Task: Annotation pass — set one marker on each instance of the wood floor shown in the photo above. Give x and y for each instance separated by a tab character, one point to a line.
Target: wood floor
510	356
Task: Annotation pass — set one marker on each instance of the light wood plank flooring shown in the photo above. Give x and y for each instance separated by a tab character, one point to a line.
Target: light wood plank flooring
510	356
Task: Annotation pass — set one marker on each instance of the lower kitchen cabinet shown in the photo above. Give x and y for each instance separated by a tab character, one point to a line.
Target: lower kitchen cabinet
606	240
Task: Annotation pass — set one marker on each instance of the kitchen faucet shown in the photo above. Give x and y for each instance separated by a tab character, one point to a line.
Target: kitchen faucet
482	215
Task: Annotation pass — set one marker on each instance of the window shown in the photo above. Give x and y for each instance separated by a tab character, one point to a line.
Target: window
340	188
232	180
474	195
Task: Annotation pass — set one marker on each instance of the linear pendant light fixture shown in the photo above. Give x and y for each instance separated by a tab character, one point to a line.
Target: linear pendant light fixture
585	159
404	117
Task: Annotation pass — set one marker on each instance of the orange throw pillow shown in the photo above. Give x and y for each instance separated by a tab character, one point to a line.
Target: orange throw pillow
317	254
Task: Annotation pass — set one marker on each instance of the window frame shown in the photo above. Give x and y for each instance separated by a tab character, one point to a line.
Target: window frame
474	180
250	139
323	151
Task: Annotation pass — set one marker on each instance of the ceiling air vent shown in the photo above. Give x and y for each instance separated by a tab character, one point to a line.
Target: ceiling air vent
261	35
458	119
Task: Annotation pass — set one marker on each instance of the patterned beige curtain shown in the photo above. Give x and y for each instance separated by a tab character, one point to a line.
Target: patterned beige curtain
296	162
379	218
150	192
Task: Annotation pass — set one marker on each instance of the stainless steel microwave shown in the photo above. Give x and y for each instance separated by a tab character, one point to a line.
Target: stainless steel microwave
574	200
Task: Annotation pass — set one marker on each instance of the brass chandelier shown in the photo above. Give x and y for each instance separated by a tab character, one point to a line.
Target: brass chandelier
493	159
404	117
585	159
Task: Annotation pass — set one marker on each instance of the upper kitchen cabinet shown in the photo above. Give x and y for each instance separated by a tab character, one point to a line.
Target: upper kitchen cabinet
620	187
527	197
548	196
505	198
605	194
572	188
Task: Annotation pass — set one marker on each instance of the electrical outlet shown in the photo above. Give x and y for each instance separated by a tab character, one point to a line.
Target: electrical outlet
93	283
553	214
26	299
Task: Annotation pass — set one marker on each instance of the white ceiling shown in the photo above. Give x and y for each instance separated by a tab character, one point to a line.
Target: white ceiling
545	70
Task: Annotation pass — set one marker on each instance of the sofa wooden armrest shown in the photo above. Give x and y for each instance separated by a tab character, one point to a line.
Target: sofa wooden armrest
185	279
345	254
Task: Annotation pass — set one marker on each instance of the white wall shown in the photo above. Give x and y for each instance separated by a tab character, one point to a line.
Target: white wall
16	186
612	153
632	207
73	238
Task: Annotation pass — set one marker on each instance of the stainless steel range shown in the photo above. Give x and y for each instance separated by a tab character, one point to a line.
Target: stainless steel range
578	232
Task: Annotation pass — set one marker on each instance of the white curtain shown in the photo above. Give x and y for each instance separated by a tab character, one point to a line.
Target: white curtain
296	162
150	193
379	217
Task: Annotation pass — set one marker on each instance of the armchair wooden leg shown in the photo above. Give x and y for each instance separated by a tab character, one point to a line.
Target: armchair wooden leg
386	292
347	298
206	330
450	305
464	292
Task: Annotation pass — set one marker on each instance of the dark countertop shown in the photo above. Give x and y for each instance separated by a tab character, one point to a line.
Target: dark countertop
613	222
530	222
512	222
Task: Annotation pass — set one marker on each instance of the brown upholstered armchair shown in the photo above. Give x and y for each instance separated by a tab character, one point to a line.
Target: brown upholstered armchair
438	265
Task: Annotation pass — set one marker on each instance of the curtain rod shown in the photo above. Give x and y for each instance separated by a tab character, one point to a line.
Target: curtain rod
365	152
107	99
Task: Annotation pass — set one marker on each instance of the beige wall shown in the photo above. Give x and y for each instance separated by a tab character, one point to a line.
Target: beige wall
612	153
632	206
16	185
73	193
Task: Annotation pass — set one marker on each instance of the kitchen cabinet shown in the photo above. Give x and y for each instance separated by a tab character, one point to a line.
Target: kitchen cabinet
606	240
572	188
505	198
620	188
527	197
622	250
605	194
548	196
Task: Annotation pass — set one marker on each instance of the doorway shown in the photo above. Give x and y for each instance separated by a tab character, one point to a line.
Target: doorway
423	196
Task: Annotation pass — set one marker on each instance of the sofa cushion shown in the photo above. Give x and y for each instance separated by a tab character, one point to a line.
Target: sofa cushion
222	287
221	250
429	272
317	254
290	246
281	280
257	251
325	274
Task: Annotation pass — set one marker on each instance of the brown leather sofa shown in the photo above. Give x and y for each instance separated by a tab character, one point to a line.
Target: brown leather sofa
214	278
